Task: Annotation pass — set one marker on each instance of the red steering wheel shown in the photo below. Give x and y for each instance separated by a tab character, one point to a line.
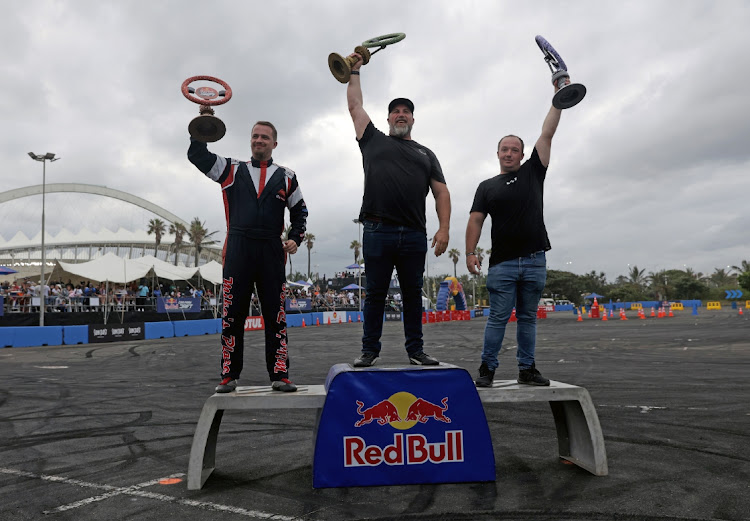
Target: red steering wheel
206	95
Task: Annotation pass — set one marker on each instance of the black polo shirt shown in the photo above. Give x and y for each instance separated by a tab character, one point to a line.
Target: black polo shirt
397	178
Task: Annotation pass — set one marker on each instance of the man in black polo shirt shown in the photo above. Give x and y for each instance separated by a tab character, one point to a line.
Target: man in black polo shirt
518	266
399	172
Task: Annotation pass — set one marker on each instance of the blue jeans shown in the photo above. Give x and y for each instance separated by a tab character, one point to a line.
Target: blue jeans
384	247
518	282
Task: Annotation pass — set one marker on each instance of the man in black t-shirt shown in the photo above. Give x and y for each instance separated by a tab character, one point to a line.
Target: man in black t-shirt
518	267
399	172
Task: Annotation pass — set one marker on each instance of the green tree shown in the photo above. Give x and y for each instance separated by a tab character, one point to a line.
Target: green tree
157	227
636	276
720	278
179	231
566	284
744	267
455	255
199	237
309	240
744	280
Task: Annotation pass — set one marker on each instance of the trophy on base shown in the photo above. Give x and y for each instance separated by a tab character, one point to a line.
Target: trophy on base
341	67
207	127
568	95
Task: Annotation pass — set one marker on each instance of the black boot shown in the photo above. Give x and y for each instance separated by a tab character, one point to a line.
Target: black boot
485	376
531	376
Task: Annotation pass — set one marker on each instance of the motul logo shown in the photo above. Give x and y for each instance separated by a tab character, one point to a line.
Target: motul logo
253	323
412	449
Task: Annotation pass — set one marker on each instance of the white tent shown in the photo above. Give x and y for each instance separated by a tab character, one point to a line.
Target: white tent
212	272
163	269
109	267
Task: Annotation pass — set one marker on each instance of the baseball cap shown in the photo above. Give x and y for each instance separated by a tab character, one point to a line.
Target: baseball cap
401	101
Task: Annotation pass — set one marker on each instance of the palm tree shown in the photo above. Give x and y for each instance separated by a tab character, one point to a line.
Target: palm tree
721	279
309	239
179	231
355	245
742	268
636	276
157	227
479	253
199	237
454	254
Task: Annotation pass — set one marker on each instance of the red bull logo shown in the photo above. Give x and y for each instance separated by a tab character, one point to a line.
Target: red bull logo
402	411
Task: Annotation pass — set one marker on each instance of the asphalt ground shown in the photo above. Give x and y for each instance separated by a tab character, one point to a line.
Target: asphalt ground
104	431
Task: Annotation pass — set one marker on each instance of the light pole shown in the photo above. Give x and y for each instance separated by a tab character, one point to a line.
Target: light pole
359	270
49	156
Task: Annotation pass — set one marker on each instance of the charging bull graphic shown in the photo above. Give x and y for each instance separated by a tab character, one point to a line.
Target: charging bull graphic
383	412
422	410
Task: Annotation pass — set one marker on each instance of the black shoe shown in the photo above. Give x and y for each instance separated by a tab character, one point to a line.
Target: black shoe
366	359
284	385
422	358
531	376
485	376
227	385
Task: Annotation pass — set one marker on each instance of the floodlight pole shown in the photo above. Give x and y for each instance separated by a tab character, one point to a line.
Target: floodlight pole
49	156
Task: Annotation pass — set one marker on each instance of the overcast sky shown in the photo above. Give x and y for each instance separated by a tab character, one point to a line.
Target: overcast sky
650	169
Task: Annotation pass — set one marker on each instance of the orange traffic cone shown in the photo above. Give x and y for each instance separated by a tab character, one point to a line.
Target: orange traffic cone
359	317
303	323
652	312
670	311
604	316
741	313
317	321
641	314
580	316
350	319
513	316
622	314
329	321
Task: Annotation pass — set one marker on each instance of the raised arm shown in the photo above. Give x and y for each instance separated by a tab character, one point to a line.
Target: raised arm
473	232
443	207
544	143
354	99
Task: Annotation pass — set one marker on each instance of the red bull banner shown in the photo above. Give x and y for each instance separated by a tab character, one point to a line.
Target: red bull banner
396	426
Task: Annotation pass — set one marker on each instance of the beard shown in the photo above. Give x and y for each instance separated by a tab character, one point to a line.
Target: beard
400	131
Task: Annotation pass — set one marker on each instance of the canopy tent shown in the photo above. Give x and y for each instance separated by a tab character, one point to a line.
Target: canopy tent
6	271
593	295
352	286
115	269
354	267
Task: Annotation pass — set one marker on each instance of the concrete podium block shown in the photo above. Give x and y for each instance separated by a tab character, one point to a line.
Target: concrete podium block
579	434
203	451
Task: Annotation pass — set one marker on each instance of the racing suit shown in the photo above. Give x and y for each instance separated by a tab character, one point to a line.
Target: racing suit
255	196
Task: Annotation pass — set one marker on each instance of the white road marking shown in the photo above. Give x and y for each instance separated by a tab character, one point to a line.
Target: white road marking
134	490
51	366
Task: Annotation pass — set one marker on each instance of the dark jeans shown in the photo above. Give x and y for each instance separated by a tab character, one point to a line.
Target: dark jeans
384	247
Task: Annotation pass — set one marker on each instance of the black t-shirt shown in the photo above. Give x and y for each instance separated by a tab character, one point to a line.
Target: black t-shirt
397	178
515	202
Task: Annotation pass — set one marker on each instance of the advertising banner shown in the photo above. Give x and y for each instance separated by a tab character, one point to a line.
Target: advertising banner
393	315
299	305
178	305
116	332
335	317
254	323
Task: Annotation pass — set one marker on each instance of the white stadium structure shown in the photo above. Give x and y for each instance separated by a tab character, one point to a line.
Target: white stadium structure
24	254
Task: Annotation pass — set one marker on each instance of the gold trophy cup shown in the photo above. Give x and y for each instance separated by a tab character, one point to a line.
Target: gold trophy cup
207	127
341	67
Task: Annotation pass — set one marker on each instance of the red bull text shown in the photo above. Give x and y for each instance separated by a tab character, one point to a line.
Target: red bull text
412	449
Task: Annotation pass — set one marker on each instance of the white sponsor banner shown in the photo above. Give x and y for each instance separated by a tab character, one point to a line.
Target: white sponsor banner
335	317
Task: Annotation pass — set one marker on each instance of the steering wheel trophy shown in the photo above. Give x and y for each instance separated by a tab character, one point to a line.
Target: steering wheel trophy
207	127
568	95
341	67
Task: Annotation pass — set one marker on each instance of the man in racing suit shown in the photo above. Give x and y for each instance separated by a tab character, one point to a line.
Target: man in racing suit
255	194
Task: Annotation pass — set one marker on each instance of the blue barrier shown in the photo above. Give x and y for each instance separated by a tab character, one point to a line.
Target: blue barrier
7	335
316	316
37	336
296	319
197	327
355	316
158	330
75	335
